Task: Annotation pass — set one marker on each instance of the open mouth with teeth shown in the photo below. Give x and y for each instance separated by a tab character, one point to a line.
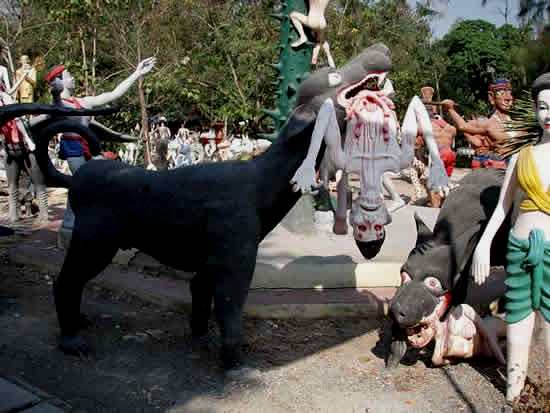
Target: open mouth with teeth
369	83
421	334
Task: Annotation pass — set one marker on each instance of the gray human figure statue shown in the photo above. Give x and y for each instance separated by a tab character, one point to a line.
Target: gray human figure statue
20	155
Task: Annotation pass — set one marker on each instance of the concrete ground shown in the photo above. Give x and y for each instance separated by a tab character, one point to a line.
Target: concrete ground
143	361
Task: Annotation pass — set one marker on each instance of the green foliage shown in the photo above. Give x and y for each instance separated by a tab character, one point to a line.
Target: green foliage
214	56
478	53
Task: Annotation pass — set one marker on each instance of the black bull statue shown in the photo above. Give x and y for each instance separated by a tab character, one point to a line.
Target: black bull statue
446	254
224	209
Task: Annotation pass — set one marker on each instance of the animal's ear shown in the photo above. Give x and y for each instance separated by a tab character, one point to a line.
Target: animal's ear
422	231
301	118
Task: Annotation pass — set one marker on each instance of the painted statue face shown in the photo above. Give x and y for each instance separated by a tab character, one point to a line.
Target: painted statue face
68	80
502	100
25	60
543	110
368	224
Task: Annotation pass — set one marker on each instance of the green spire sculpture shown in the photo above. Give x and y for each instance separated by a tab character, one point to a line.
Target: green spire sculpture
293	67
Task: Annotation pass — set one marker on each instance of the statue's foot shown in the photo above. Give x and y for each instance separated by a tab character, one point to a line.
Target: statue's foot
74	345
298	42
340	226
395	205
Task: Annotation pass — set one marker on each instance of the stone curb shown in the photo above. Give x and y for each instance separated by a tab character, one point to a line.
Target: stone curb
261	303
19	396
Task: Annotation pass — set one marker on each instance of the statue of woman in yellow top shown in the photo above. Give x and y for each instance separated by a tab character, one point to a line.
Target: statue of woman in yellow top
528	255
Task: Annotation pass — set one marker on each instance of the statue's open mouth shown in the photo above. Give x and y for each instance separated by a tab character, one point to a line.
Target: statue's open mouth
368	83
421	334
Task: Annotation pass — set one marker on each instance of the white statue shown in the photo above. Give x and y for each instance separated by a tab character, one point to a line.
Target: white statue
73	147
526	185
316	21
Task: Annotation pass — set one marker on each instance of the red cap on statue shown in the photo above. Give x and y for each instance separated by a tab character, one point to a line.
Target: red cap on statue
52	74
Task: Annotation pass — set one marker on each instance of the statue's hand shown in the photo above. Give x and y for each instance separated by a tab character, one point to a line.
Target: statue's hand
448	104
481	263
145	66
304	179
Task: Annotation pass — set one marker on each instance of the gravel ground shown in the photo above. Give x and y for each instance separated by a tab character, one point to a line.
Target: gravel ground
143	362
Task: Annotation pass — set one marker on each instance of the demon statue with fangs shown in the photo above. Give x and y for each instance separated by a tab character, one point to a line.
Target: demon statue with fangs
363	111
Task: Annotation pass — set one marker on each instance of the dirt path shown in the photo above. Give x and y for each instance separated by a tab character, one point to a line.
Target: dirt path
143	362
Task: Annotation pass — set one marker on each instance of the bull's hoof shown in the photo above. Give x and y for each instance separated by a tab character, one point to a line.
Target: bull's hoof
243	374
74	346
84	322
201	343
340	226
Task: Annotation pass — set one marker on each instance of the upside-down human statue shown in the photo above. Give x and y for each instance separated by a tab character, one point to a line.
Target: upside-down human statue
369	146
230	208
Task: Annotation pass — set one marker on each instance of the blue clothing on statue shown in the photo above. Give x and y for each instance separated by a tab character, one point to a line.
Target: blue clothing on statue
70	149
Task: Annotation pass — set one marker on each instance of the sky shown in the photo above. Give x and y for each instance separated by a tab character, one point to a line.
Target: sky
468	10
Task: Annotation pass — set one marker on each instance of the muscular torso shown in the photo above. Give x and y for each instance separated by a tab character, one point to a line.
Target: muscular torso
484	143
444	133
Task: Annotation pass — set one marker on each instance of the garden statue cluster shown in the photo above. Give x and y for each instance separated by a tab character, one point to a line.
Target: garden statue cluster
344	119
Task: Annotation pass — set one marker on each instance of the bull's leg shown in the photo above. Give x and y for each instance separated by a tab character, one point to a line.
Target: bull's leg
341	213
92	248
231	290
202	293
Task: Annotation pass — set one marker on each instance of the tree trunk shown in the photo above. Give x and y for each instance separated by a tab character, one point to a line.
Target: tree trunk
143	107
84	61
144	121
94	58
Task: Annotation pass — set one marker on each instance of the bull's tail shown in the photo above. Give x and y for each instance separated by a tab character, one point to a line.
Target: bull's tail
44	131
53	177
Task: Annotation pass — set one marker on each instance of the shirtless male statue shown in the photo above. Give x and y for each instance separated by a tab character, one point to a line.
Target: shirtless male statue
484	134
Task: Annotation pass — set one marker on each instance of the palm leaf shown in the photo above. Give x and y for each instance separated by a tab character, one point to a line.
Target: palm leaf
523	128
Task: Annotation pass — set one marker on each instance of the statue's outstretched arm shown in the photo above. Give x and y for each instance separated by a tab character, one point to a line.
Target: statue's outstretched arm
143	68
481	264
11	91
326	127
472	128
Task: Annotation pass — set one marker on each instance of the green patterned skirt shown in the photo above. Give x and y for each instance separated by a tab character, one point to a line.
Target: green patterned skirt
528	277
